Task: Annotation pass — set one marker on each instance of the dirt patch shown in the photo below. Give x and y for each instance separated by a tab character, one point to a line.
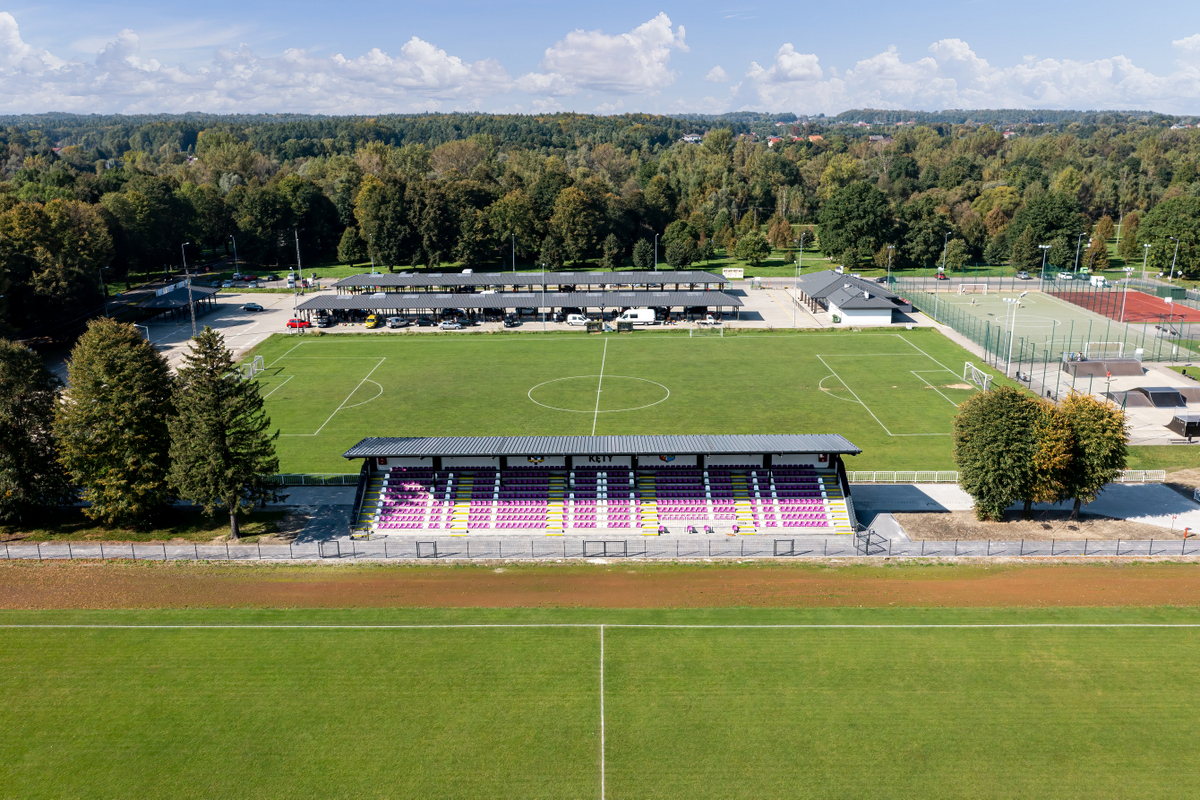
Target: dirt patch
965	386
60	585
945	526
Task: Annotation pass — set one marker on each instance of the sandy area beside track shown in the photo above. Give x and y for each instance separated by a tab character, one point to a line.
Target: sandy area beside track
69	586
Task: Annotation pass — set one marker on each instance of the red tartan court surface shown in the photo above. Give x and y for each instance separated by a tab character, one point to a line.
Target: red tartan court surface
1138	306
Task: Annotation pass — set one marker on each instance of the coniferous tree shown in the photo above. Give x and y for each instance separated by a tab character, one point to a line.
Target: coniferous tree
1026	254
221	450
112	423
31	479
643	255
610	258
351	249
995	446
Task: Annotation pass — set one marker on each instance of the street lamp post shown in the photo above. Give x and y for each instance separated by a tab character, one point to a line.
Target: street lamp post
656	252
103	288
1045	248
891	250
1014	303
188	278
1145	260
236	267
937	283
543	296
514	252
1172	277
1078	241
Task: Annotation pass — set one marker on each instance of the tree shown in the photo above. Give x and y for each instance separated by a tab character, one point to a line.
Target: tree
1053	458
924	225
681	253
1105	229
1049	215
221	450
1177	217
1061	254
779	234
1128	248
996	251
1026	255
1096	257
956	255
643	255
705	251
753	247
856	216
610	258
1100	433
352	249
552	255
995	447
112	423
577	220
31	479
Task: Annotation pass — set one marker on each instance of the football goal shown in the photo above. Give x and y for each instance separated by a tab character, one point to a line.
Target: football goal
972	288
706	329
973	374
1098	351
254	367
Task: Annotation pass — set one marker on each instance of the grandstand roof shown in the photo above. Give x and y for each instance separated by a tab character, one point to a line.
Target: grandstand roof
178	298
426	279
429	300
737	444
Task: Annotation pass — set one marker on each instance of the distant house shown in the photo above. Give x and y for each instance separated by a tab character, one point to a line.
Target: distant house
816	138
1010	134
853	300
774	140
692	138
879	139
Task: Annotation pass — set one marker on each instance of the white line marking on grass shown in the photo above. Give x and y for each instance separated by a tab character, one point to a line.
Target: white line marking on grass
601	712
599	384
931	386
347	400
590	625
376	397
869	411
830	392
922	352
285	355
277	388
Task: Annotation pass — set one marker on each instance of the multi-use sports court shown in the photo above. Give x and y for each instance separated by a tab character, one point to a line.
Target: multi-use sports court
893	394
599	704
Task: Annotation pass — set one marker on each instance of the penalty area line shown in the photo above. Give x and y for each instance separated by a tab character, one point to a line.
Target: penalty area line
602	625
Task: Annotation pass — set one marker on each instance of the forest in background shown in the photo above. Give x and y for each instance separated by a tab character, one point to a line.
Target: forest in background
82	193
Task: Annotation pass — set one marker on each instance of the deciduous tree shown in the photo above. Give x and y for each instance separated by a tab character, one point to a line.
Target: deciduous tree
31	479
221	446
112	423
643	254
995	446
753	247
1100	433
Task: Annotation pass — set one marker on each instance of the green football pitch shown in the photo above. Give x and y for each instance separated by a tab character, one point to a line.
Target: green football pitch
892	394
549	704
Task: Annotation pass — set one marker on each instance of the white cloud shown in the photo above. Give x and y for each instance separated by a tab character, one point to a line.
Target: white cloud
716	75
627	63
954	76
122	79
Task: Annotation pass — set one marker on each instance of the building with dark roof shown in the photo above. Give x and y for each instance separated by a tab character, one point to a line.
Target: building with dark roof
853	300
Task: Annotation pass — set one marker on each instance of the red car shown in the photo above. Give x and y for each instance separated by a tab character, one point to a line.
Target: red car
299	323
941	276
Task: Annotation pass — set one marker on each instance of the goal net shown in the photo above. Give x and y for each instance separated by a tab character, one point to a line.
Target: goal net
1102	350
254	367
972	288
707	329
973	374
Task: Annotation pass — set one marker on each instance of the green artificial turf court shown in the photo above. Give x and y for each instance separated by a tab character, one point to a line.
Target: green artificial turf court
720	703
892	394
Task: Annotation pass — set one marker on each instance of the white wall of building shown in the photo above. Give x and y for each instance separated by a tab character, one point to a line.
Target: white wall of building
863	316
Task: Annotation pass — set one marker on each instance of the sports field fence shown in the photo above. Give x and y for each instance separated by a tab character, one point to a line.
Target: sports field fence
867	542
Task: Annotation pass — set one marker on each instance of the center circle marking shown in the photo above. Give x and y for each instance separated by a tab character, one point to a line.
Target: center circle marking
607	378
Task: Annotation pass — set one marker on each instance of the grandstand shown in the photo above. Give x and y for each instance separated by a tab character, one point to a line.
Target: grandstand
621	484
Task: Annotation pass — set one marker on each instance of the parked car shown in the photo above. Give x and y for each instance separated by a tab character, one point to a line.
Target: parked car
881	279
426	322
397	322
1066	276
252	307
227	285
269	278
323	322
941	276
252	285
374	321
576	319
512	321
296	322
216	284
450	325
1023	275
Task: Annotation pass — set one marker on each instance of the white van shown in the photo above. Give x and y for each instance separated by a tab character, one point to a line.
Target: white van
1099	281
576	319
291	282
638	316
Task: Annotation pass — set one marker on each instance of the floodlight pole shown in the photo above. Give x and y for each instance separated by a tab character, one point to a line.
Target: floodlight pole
1014	303
1145	260
1128	274
188	279
1078	241
656	252
1172	276
543	297
799	266
236	268
514	252
1045	248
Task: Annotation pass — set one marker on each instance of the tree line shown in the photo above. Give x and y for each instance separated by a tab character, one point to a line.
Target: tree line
126	436
85	201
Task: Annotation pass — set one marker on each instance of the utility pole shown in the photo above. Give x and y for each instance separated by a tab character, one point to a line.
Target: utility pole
1078	241
799	266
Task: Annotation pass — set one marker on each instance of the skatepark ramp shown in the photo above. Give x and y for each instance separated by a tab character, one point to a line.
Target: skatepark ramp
1163	396
1101	369
1133	399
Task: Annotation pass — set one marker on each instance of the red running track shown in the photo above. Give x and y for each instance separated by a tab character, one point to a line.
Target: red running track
1139	306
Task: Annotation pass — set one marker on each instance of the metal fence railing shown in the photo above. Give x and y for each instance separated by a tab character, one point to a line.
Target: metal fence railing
304	479
557	548
926	476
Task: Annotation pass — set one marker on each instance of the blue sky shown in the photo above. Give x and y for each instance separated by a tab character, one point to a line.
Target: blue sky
608	57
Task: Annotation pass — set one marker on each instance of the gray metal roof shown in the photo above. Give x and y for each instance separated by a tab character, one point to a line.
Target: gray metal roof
846	291
398	301
178	298
854	299
423	279
706	444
